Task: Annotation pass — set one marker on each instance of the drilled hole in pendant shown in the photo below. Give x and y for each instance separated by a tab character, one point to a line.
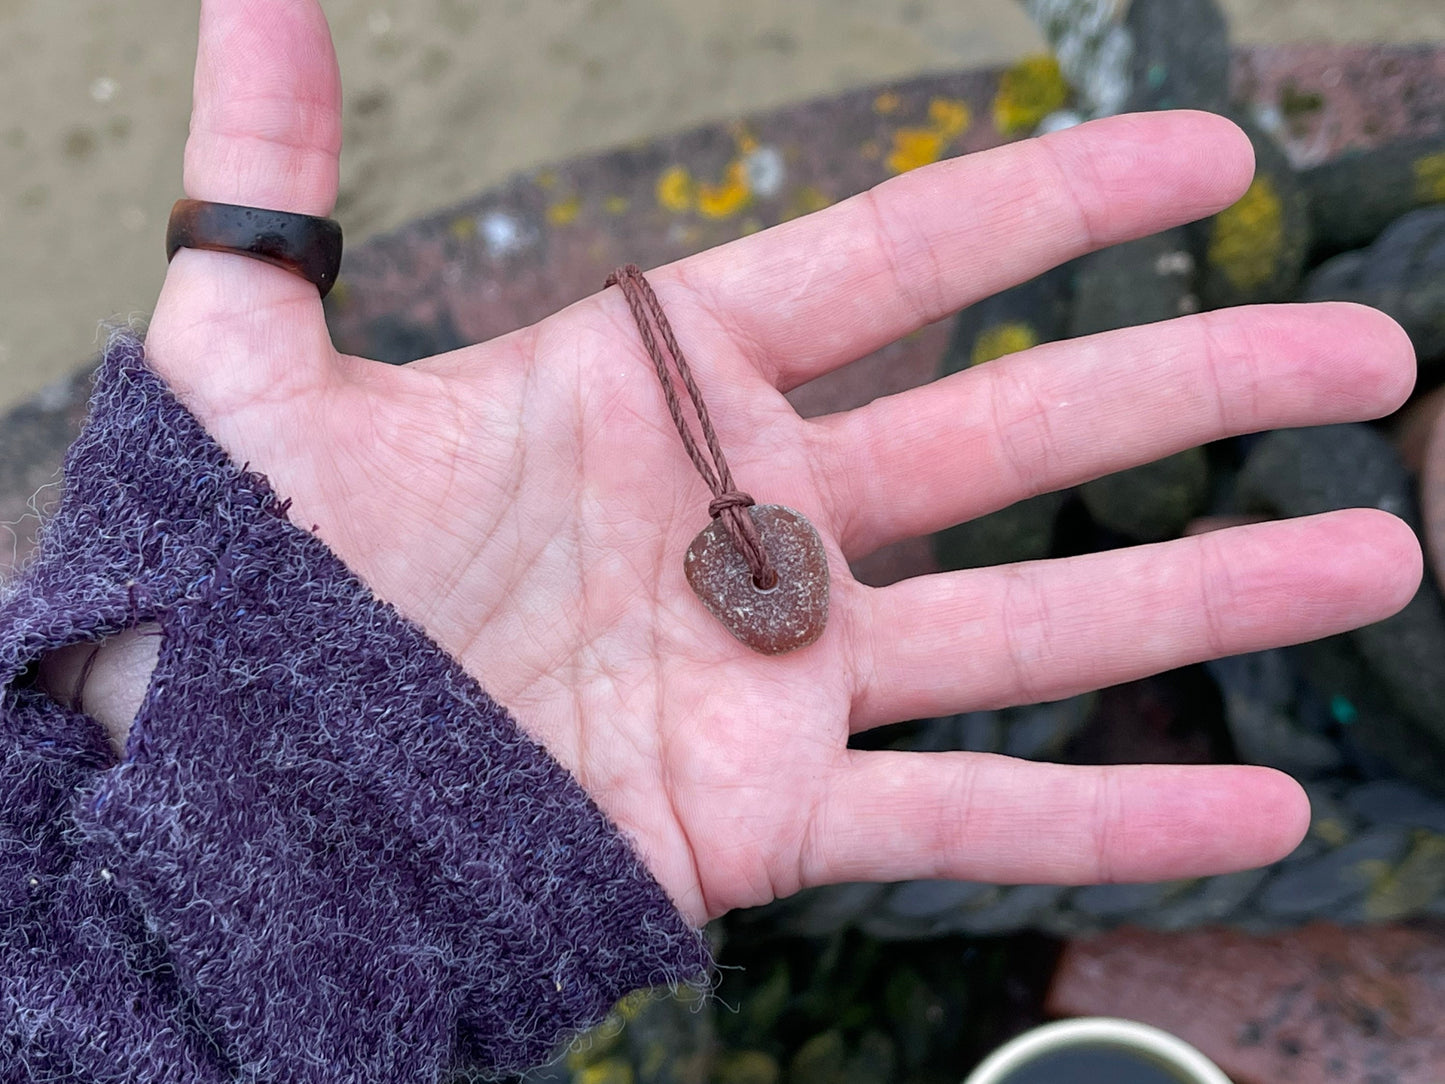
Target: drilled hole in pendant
768	586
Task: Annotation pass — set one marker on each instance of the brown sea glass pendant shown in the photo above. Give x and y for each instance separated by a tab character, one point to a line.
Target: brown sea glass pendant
760	569
790	614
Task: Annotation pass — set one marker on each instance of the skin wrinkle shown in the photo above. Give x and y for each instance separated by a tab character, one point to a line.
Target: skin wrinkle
902	283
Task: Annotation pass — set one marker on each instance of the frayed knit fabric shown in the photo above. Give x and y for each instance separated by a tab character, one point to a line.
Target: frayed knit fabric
327	854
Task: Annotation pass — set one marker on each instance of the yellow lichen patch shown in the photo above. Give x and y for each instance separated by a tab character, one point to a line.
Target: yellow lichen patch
995	342
565	212
1408	887
1246	240
745	140
1332	831
949	116
463	228
1028	92
545	179
340	294
615	205
886	102
1430	178
913	147
871	151
729	197
610	1071
675	189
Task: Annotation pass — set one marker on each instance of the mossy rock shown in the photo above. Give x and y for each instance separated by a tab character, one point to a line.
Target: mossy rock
1153	501
1255	250
1354	197
1034	312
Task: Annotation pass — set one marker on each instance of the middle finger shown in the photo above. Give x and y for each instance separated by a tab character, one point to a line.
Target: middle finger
1066	412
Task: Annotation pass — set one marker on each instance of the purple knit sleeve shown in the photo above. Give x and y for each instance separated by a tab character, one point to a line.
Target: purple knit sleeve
327	854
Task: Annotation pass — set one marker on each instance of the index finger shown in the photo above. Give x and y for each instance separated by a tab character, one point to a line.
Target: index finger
810	295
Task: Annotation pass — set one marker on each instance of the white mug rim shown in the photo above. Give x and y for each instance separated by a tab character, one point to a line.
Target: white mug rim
1172	1051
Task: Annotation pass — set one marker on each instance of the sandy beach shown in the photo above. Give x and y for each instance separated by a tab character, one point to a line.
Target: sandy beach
443	99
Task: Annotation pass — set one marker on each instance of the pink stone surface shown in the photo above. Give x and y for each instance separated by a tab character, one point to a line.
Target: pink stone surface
1319	1005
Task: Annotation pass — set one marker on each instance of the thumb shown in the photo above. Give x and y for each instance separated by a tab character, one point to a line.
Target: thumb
265	132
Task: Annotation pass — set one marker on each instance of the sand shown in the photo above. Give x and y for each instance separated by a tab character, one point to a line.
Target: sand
444	98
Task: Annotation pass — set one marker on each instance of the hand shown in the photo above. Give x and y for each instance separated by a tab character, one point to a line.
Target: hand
527	501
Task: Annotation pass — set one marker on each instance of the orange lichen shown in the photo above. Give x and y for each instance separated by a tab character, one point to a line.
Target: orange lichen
728	198
886	102
913	147
675	189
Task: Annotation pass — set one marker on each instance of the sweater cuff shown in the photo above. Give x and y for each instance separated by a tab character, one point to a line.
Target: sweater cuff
358	865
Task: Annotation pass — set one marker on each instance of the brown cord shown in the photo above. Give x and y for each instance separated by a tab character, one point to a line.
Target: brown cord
728	501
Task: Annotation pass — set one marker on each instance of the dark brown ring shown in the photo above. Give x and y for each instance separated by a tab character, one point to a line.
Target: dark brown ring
305	245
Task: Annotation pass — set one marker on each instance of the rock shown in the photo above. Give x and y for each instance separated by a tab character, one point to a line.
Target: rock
1153	501
1325	885
1391	802
1035	312
1010	908
1255	250
1138	282
923	900
1354	197
1217	899
1181	55
1118	901
1260	693
1020	532
1388	679
1401	274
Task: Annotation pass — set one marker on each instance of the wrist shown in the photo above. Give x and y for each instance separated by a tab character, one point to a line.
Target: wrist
105	680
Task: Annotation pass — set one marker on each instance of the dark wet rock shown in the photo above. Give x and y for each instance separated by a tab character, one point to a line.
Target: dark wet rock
818	912
919	900
1261	691
1402	274
1118	900
1216	899
1391	802
1035	731
1034	312
1014	907
1355	197
1393	701
1020	532
1138	282
1181	55
1153	501
1255	250
1328	884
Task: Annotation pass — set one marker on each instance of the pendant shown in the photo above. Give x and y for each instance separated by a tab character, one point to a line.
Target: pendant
789	615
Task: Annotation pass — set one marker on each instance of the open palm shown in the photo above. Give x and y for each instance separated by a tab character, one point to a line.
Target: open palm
528	502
